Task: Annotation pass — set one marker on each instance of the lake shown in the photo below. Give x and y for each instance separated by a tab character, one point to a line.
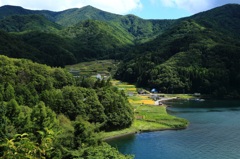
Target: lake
214	132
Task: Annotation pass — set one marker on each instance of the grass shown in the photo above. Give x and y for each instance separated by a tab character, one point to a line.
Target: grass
148	117
182	96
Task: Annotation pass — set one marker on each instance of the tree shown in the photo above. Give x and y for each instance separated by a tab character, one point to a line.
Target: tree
42	118
84	134
13	110
20	146
117	109
3	121
95	109
9	92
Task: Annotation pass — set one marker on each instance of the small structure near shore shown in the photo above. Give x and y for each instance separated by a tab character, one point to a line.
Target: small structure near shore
158	102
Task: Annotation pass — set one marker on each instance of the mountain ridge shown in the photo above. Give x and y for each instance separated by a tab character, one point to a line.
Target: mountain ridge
192	54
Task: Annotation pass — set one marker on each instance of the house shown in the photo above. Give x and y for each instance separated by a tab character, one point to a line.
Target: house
197	94
154	90
158	102
99	76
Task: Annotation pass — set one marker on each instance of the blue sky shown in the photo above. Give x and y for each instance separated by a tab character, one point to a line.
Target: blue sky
147	9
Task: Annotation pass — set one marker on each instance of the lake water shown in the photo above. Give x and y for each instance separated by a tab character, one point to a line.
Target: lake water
214	133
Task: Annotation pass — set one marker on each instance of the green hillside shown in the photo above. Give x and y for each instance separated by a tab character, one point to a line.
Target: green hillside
21	23
192	54
190	57
74	16
57	51
224	19
96	39
13	46
9	10
139	28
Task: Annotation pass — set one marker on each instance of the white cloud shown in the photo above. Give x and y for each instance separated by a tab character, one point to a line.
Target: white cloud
193	6
153	2
114	6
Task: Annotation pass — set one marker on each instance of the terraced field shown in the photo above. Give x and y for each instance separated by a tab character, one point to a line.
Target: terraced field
92	68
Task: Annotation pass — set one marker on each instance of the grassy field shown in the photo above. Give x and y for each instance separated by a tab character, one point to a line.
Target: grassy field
182	96
148	117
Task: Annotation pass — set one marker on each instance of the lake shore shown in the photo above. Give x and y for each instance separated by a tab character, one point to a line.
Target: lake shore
149	114
149	118
142	131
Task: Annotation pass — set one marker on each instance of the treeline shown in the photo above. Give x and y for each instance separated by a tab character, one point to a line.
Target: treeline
46	113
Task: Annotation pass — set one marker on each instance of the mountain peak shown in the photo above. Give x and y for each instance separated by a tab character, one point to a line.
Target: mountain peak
11	6
89	6
7	10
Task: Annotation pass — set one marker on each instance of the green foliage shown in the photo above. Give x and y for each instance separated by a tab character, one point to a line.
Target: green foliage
84	135
9	92
102	152
21	23
189	57
44	114
56	51
194	54
3	121
13	110
43	117
85	34
22	147
66	136
117	109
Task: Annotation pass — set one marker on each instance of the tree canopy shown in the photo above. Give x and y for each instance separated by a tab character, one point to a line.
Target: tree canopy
44	114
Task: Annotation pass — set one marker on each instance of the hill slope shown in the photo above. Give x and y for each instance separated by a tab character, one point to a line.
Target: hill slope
77	34
137	27
192	54
21	23
191	57
224	19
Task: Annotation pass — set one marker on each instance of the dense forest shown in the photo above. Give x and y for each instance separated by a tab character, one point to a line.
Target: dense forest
193	54
199	54
74	35
46	113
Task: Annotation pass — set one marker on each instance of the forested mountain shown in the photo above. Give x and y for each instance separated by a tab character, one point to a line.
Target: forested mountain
199	54
192	54
133	24
46	113
223	19
21	23
83	34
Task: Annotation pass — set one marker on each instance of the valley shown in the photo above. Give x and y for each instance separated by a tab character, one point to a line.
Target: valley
71	79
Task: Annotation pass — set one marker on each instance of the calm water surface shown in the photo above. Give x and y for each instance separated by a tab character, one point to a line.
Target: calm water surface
214	133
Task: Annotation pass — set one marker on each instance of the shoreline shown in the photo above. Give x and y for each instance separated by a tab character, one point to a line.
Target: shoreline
142	131
147	113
